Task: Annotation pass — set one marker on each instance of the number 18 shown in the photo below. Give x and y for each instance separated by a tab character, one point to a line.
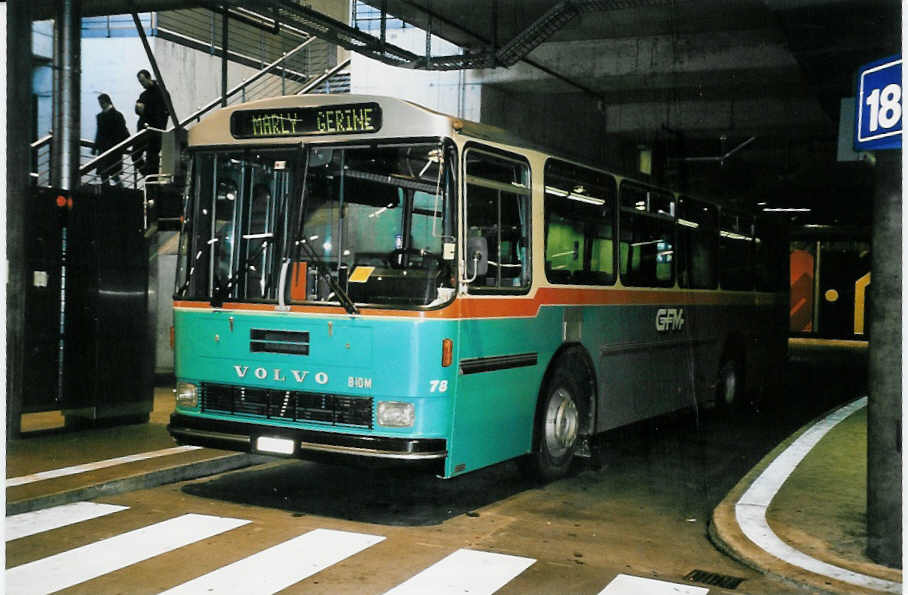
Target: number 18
885	109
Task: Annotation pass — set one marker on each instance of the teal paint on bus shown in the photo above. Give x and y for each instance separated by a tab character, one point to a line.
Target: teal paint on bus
394	359
493	419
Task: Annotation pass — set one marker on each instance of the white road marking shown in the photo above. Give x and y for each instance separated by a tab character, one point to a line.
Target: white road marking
278	567
96	559
39	521
624	584
465	571
54	473
750	510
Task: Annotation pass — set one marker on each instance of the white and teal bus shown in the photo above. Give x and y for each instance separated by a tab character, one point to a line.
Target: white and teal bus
365	278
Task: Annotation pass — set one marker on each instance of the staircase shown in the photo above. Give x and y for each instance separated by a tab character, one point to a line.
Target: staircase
289	72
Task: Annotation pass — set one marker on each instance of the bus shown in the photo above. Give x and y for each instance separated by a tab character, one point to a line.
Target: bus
364	279
830	282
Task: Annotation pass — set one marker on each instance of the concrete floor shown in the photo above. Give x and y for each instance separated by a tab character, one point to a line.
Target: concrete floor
645	512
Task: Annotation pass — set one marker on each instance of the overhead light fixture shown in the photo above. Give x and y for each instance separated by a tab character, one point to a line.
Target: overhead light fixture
554	191
785	210
587	199
734	236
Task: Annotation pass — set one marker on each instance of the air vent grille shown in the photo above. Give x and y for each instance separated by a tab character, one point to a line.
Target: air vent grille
271	341
335	410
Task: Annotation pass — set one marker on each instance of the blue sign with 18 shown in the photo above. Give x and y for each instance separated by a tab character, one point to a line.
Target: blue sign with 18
879	106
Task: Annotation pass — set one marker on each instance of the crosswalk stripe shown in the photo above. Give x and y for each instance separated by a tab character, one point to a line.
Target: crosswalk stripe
278	567
39	521
465	571
624	584
76	469
95	559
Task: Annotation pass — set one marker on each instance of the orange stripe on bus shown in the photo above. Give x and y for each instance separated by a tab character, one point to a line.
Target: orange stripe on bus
528	306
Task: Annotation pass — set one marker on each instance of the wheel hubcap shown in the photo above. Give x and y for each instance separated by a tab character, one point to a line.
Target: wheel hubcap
729	385
561	423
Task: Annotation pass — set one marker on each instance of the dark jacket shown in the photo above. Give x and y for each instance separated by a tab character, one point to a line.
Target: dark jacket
111	129
155	114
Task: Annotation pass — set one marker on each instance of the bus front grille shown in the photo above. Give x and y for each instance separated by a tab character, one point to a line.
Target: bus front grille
335	410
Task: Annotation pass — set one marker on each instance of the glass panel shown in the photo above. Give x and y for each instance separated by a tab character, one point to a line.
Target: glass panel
235	224
647	251
647	200
736	253
698	244
378	221
771	256
579	212
501	217
496	168
373	224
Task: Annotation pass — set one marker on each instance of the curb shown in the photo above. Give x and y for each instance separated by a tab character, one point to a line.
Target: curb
727	536
150	479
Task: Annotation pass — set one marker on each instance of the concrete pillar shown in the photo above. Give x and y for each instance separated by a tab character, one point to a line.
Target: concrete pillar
18	165
884	422
67	90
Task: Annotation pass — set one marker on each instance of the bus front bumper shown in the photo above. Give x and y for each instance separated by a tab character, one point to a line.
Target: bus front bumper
244	436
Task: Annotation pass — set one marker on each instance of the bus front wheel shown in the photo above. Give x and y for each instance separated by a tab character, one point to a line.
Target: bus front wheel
558	424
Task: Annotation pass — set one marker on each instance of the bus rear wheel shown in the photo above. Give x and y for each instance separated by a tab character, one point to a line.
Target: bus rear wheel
557	431
729	388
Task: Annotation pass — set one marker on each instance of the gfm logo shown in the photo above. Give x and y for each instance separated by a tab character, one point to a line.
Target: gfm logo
669	319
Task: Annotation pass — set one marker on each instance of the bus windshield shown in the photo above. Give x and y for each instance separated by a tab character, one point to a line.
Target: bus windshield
370	225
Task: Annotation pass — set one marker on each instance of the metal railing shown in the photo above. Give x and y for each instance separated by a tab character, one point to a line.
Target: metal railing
119	164
269	81
277	78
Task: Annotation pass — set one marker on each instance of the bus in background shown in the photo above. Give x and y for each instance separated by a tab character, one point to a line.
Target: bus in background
360	277
830	282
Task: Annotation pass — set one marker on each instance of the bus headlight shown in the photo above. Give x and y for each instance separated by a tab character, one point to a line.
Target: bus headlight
395	415
187	395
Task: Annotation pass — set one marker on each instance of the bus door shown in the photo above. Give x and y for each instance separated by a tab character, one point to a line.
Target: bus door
499	369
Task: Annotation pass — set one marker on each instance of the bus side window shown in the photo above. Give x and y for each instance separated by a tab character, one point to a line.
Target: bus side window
579	225
736	252
647	237
771	256
498	209
697	244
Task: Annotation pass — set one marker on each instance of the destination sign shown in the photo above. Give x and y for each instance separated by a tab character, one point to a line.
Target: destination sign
306	121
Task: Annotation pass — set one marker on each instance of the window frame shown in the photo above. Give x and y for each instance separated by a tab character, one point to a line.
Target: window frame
525	191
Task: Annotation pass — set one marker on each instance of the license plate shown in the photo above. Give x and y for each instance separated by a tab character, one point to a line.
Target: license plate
281	446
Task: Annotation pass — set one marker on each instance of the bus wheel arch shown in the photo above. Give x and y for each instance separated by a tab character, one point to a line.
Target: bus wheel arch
565	414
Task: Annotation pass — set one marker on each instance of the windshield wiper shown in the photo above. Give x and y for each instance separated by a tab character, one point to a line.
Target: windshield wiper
323	271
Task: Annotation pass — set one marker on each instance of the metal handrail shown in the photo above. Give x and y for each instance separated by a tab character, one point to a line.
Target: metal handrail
42	141
319	80
117	149
261	73
35	145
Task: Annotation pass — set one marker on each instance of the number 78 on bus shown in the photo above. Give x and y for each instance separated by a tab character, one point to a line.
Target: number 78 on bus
879	105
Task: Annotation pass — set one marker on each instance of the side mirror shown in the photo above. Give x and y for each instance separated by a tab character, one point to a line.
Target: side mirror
477	258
